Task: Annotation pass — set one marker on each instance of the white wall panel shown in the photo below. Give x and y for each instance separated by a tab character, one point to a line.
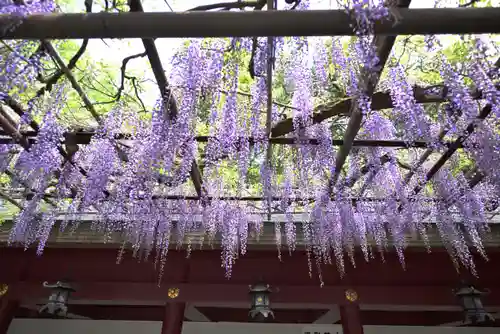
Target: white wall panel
49	326
428	330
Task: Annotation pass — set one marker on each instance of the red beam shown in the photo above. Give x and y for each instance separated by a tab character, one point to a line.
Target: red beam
156	313
99	265
225	314
284	316
227	293
427	280
106	312
368	317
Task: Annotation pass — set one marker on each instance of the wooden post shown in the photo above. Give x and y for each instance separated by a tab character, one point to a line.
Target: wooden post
8	308
172	319
350	317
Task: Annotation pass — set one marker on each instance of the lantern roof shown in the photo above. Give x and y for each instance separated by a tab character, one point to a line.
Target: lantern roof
59	285
469	290
260	287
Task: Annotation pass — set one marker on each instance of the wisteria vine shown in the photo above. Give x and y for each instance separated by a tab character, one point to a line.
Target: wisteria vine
375	204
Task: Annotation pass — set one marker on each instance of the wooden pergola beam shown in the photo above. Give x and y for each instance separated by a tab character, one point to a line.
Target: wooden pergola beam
7	124
380	100
84	138
453	148
383	47
447	155
244	23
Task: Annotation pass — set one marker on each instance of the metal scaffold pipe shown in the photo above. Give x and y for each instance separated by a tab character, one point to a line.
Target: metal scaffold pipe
243	23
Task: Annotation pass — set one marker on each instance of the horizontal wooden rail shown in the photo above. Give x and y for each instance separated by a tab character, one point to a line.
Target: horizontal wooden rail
243	23
84	137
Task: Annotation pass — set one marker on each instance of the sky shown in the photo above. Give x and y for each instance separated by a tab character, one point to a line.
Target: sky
165	46
100	50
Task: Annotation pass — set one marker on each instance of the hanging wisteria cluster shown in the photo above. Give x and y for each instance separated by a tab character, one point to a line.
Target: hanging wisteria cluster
142	190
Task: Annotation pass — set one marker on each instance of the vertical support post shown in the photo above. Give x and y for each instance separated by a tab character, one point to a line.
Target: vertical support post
350	317
269	116
8	308
173	318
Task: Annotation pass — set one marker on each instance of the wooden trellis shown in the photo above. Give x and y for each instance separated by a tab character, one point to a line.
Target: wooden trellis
272	23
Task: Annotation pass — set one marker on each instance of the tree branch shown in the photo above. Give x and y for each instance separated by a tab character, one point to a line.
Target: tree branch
50	82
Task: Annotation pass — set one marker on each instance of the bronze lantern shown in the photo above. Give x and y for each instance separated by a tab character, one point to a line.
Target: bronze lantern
260	310
58	299
474	311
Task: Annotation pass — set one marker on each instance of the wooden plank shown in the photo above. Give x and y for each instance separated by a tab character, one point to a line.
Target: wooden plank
245	23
